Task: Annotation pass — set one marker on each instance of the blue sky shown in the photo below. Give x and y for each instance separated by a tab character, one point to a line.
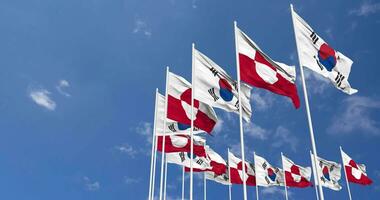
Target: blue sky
78	78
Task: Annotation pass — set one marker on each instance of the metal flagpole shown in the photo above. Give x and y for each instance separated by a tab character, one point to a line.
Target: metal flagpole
204	186
192	121
151	185
164	130
166	177
314	148
154	165
183	183
345	174
257	186
286	189
229	175
240	111
314	175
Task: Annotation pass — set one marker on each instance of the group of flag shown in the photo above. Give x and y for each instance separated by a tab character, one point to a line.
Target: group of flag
187	109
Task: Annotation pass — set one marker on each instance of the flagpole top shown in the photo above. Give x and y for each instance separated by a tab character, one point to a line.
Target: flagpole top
167	68
156	90
235	23
291	6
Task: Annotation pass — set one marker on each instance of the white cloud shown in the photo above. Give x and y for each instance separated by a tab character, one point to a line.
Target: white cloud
366	8
274	191
127	149
129	180
62	84
218	126
91	185
355	115
316	84
41	97
283	137
145	129
329	33
141	27
194	4
262	100
256	131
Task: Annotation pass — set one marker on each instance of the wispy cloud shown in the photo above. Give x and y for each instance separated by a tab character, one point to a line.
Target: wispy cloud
366	8
274	191
130	180
316	84
41	97
218	126
145	129
283	137
141	27
62	85
262	100
127	149
256	131
355	115
91	185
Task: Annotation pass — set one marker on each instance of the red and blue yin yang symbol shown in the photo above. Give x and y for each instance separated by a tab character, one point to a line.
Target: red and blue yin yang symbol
225	90
182	127
271	174
326	56
326	173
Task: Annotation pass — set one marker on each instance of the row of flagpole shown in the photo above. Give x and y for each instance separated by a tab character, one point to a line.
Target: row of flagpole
163	172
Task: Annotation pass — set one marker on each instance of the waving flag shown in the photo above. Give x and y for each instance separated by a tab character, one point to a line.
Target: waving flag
266	174
181	143
329	173
172	127
216	88
200	163
356	173
315	54
236	171
259	70
179	105
216	162
295	175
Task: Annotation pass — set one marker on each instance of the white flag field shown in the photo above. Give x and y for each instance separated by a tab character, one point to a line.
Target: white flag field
216	88
315	54
329	173
266	174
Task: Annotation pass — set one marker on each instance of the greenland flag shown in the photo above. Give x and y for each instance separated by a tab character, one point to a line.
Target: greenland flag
259	70
172	127
329	173
295	175
182	143
266	174
236	171
179	105
315	54
356	173
216	88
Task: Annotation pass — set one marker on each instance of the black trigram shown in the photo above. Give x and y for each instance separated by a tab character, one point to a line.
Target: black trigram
235	85
214	71
237	105
339	79
264	165
199	162
172	128
267	180
211	91
182	156
314	37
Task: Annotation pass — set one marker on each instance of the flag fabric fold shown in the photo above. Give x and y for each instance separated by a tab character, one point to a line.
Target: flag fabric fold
182	143
266	174
236	171
217	89
259	70
315	54
179	105
329	173
295	175
356	173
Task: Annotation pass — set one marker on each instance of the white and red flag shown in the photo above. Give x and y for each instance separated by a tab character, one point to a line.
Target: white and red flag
356	173
182	143
259	70
329	173
216	88
315	54
200	163
236	171
266	174
172	127
295	175
179	105
216	162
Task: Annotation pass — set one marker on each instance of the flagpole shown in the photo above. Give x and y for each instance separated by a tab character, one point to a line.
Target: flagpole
153	146
164	130
154	165
314	148
204	186
166	177
192	121
229	175
183	183
345	174
286	190
257	186
240	113
314	175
